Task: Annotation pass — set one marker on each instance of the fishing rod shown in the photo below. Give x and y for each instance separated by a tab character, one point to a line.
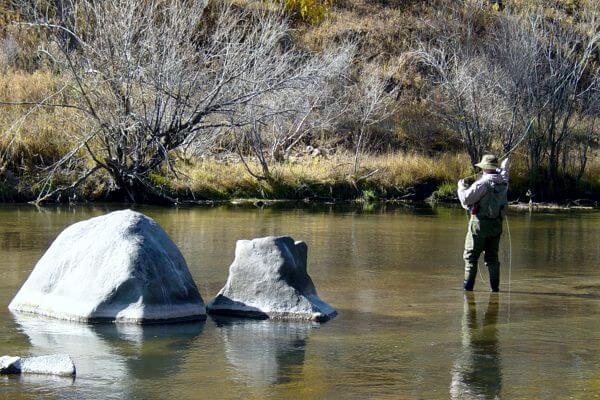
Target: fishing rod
513	148
579	70
527	130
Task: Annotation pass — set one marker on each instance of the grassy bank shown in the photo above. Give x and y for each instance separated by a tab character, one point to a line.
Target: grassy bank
384	177
381	177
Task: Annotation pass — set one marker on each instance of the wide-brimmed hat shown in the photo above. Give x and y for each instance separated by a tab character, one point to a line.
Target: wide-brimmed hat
488	161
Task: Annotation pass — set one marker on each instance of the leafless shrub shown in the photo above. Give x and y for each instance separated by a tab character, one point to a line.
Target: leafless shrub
530	78
552	79
151	77
314	102
467	94
372	101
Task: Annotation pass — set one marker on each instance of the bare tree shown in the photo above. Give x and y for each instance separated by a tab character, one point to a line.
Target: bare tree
149	77
324	104
566	64
531	77
587	138
373	101
551	68
314	102
467	92
514	50
467	87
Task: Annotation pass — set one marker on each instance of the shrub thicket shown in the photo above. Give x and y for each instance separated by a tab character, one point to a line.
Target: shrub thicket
380	39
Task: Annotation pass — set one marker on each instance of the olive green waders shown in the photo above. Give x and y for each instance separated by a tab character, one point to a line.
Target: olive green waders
483	236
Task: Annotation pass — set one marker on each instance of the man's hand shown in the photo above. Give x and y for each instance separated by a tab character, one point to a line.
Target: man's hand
504	164
462	184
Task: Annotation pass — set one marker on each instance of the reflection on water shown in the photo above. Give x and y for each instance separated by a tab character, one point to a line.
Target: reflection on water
89	351
111	352
477	373
262	351
156	350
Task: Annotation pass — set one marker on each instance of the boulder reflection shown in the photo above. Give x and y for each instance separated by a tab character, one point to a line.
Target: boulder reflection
477	373
264	351
113	352
153	350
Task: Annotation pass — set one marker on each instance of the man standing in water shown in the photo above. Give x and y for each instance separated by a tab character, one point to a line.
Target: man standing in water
486	201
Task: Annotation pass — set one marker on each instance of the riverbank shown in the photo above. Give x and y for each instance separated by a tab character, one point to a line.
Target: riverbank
385	178
44	145
321	178
310	178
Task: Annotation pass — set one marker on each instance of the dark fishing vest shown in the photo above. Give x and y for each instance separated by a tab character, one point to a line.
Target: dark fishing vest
493	204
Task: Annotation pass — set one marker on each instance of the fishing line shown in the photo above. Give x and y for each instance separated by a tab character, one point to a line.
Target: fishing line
480	275
508	153
509	263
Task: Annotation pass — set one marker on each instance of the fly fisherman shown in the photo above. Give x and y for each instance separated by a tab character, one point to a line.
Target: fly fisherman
486	201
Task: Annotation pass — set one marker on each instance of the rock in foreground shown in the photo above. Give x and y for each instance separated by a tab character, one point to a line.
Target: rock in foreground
268	279
118	267
58	364
10	365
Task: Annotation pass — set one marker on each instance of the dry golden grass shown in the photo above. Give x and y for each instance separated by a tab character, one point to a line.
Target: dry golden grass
592	172
408	169
31	134
391	175
21	86
380	31
396	175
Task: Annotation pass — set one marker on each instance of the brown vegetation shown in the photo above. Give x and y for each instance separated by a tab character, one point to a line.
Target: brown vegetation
395	93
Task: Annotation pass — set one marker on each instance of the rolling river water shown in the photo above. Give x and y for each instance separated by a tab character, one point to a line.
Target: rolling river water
405	329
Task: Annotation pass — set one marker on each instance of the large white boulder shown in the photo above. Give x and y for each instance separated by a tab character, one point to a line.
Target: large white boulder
119	267
268	279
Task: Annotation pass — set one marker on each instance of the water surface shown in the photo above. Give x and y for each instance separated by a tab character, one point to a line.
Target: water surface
405	329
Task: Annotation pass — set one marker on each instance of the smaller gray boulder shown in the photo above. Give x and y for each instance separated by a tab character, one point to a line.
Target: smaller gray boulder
57	364
10	365
268	279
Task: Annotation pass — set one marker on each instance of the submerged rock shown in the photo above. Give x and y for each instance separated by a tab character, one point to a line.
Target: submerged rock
57	364
118	267
268	279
